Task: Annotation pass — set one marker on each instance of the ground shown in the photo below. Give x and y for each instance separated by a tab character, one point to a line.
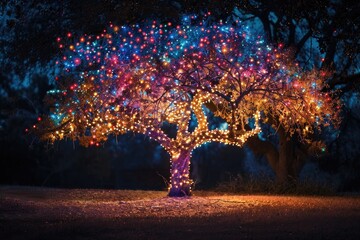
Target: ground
46	213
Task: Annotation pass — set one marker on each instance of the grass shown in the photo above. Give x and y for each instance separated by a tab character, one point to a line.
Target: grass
266	185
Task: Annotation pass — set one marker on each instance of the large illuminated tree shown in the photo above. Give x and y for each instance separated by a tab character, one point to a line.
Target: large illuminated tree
139	78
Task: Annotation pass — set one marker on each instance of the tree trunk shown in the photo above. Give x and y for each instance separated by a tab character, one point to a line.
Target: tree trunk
291	158
285	155
180	182
286	161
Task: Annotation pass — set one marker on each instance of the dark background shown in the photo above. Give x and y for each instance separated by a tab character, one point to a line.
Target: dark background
324	34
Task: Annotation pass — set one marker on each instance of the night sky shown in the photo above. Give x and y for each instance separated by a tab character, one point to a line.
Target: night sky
322	35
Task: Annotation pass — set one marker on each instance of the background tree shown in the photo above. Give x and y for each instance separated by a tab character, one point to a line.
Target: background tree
321	35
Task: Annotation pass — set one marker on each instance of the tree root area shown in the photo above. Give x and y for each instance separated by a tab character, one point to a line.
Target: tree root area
46	213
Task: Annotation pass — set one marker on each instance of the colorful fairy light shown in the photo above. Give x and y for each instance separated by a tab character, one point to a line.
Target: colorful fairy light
136	78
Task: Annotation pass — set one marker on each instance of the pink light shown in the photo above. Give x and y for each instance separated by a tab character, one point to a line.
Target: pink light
77	61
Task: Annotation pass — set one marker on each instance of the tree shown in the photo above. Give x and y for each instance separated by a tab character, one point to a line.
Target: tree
141	78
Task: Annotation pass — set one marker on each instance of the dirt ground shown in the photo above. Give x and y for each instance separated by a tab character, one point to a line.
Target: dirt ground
79	214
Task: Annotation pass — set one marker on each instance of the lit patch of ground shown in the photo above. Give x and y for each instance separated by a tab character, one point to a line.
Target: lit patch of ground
43	213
